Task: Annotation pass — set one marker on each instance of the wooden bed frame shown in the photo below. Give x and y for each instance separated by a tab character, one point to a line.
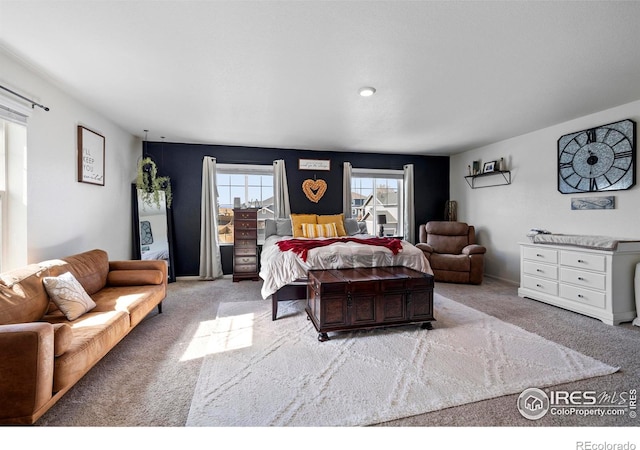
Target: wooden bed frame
296	290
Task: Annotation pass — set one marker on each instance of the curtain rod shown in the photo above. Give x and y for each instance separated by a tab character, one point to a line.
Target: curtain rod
25	98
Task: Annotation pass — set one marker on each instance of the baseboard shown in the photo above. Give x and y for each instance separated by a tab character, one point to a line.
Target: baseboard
515	283
197	278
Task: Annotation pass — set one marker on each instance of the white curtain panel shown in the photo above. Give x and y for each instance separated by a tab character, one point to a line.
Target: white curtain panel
409	205
210	260
282	208
346	190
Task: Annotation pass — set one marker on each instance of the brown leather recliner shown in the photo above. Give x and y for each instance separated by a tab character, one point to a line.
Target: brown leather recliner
452	252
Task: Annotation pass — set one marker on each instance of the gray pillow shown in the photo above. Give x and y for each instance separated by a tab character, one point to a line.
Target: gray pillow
351	226
283	227
269	228
362	228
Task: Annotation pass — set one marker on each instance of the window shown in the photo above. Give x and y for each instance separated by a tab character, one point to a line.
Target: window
377	193
246	186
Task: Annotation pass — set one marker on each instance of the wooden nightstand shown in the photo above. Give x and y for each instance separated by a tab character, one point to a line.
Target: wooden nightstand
245	244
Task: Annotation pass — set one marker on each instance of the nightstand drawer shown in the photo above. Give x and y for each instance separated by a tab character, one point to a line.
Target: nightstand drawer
583	260
541	285
589	280
540	270
245	215
586	296
540	254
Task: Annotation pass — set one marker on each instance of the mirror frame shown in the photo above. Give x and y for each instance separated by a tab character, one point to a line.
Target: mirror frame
137	253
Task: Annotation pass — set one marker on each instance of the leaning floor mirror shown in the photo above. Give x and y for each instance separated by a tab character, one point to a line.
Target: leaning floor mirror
152	228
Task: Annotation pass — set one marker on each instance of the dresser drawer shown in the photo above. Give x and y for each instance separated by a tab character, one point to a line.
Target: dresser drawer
591	280
245	224
245	215
585	296
245	234
540	270
245	251
245	268
541	254
246	260
541	285
583	260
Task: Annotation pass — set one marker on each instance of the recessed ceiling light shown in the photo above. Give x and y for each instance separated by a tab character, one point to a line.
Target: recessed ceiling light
367	91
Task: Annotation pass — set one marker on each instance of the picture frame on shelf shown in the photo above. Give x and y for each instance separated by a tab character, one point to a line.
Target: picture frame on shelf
489	166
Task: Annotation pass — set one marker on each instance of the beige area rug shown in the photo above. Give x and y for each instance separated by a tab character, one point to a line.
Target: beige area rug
260	372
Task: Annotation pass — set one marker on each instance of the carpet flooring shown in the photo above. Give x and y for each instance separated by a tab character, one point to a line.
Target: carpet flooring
149	379
257	372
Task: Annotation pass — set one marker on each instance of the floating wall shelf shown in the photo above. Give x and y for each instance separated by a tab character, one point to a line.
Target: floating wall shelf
506	178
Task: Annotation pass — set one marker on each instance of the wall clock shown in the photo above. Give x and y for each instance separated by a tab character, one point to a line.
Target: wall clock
598	159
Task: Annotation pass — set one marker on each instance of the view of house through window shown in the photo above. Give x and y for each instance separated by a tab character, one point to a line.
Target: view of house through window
376	195
247	186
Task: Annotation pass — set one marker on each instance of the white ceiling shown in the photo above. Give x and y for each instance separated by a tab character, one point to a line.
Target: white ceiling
449	75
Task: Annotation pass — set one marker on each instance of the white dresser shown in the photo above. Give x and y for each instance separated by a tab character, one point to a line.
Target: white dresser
596	283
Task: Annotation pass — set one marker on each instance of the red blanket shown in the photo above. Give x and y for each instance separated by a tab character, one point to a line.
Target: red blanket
302	246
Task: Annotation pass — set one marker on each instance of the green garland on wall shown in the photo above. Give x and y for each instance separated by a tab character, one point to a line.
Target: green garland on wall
150	184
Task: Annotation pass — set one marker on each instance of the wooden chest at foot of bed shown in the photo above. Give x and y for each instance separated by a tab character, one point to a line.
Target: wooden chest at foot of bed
363	298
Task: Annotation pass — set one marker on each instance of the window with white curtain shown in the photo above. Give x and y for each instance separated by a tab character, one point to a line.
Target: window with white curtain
13	207
246	185
375	193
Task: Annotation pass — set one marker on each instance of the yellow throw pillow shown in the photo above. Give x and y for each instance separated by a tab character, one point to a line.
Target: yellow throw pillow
298	219
338	219
315	230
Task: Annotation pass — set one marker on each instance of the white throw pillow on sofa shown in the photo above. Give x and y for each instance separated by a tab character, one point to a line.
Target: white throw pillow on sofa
68	295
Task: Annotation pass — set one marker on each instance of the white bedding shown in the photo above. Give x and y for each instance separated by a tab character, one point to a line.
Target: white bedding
278	268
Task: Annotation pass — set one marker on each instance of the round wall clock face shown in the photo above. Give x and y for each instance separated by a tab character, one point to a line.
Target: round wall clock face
598	159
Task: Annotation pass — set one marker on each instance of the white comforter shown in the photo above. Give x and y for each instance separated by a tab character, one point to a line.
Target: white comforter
278	268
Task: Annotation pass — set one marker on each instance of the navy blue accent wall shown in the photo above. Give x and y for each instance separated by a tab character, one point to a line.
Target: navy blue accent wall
183	164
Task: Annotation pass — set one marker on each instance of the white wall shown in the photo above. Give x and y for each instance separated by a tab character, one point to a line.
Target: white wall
64	216
504	214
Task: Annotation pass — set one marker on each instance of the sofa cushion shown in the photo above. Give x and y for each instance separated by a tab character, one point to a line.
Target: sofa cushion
62	337
68	295
134	277
455	263
94	335
89	268
134	301
23	297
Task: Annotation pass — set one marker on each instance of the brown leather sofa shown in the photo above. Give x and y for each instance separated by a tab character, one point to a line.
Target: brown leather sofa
42	354
452	252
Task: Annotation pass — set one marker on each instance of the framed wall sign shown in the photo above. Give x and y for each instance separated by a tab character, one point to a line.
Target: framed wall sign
598	159
314	164
90	156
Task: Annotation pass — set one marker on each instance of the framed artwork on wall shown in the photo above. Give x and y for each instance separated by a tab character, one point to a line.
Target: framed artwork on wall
314	164
598	159
90	156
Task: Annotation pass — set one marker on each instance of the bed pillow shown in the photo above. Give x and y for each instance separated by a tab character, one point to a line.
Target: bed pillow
351	226
269	227
68	295
315	230
283	227
298	219
338	219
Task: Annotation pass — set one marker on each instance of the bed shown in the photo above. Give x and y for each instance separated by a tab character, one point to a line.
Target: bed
284	273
